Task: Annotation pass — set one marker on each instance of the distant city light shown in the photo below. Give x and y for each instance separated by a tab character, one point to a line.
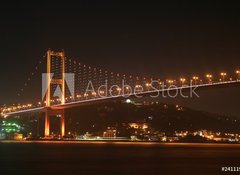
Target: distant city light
128	101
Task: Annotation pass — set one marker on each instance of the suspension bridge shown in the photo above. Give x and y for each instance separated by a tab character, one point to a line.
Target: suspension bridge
68	83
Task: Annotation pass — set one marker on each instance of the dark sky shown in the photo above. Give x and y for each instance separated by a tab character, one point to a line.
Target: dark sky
162	40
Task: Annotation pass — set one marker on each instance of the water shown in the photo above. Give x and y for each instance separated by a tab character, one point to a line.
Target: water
115	158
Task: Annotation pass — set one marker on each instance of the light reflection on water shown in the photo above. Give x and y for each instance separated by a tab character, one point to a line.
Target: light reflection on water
125	143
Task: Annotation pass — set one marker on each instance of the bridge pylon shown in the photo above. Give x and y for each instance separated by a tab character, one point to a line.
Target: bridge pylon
50	81
54	112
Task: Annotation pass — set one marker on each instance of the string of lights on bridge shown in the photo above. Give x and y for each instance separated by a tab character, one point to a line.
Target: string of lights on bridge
31	76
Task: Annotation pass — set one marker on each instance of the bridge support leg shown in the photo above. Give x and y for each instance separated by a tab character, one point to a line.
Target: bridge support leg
62	124
54	112
47	125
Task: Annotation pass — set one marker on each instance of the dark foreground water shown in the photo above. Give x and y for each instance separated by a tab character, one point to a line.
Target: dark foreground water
68	158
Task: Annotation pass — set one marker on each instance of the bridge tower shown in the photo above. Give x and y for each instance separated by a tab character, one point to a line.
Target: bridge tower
50	81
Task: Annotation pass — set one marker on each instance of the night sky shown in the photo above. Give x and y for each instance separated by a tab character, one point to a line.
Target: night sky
148	39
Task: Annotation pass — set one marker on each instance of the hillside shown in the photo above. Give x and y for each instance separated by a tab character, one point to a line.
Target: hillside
162	117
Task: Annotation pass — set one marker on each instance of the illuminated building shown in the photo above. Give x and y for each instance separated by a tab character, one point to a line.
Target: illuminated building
138	125
110	132
10	127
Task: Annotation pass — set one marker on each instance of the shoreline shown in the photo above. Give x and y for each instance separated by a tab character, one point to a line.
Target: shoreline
118	143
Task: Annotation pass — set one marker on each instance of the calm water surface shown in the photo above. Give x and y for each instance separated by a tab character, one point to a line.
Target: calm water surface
53	157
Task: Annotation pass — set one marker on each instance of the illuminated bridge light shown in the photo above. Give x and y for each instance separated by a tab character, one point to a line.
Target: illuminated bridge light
170	82
238	74
182	80
195	79
223	74
209	77
147	84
